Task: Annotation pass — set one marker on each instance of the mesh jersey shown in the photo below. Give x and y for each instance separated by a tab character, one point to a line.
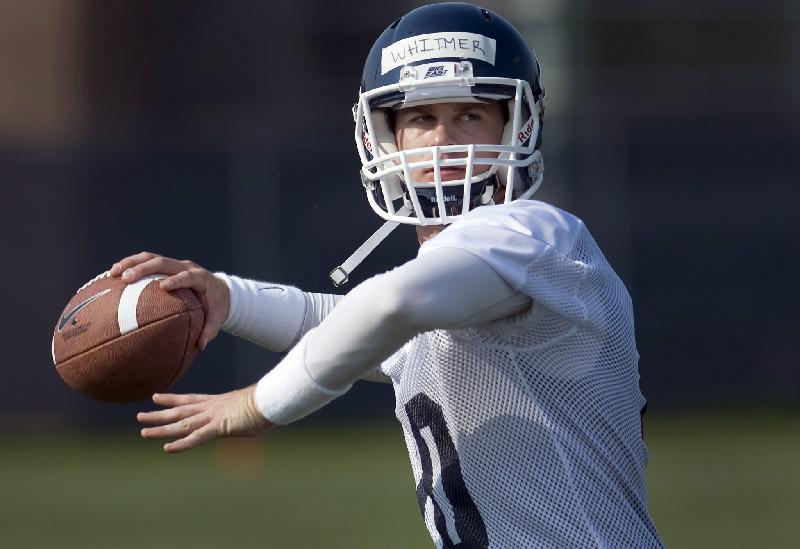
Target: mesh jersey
526	432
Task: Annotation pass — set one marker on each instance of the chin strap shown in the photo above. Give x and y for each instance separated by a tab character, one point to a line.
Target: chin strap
341	273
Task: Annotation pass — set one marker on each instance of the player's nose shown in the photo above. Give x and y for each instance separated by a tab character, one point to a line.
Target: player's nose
443	134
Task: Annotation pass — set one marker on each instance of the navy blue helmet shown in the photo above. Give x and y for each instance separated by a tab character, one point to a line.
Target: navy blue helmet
448	53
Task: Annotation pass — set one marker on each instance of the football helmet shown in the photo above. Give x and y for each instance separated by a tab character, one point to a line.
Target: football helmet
439	53
445	53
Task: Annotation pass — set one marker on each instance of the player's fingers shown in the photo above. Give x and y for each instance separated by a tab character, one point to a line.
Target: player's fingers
172	400
209	332
155	265
192	440
177	429
194	278
202	282
127	262
216	313
190	264
168	415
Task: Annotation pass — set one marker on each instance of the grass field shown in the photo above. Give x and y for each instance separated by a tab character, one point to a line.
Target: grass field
716	481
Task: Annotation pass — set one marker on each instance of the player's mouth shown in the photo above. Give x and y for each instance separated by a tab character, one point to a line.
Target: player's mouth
448	172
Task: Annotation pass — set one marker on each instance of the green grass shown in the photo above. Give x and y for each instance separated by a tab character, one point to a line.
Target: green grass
715	481
725	481
333	487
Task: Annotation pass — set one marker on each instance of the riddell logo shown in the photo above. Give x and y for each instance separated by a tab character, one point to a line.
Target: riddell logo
446	197
526	131
437	70
367	143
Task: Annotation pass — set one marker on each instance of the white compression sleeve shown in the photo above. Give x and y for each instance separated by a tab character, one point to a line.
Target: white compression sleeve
445	289
273	315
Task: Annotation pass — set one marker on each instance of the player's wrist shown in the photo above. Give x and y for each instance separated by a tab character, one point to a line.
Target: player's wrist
225	294
288	392
224	282
258	422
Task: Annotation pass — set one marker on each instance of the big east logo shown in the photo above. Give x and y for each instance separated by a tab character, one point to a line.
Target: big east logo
437	70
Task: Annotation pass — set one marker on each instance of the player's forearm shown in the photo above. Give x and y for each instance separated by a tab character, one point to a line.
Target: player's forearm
351	341
274	316
446	289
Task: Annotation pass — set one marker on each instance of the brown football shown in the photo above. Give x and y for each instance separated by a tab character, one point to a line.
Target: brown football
123	342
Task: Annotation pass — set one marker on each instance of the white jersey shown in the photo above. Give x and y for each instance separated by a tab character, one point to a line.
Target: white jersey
523	423
526	432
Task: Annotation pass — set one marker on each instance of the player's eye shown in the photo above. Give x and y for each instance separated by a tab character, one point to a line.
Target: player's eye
416	119
470	116
424	118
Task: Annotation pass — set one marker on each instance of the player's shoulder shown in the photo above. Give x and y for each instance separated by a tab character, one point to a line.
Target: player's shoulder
537	220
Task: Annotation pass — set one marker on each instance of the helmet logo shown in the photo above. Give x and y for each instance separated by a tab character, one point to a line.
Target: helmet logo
367	142
436	70
525	133
435	45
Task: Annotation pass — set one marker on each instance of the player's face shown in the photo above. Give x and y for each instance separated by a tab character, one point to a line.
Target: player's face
448	124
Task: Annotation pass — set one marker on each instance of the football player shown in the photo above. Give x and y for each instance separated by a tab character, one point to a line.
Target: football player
509	339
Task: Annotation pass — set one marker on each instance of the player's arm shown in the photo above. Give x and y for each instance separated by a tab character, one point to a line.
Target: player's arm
446	288
274	316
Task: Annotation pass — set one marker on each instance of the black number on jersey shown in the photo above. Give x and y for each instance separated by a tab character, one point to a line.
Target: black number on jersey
423	412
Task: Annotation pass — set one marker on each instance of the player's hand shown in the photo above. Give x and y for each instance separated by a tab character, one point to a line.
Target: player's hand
195	419
212	291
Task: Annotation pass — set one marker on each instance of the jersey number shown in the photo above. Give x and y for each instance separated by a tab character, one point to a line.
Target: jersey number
423	412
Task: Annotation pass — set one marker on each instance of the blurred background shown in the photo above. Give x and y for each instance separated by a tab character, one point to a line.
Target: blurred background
222	133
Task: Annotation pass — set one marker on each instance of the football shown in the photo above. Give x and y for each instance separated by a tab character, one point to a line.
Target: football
123	342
